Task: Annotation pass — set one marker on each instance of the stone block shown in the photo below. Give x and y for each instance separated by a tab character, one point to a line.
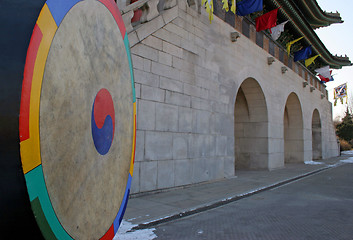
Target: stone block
165	71
145	52
165	174
187	77
153	42
201	122
221	146
229	170
183	172
166	117
178	99
152	93
165	58
150	27
158	146
172	49
138	90
200	172
147	65
170	14
168	37
135	183
202	104
185	119
140	146
199	146
170	84
230	146
171	27
215	167
146	78
180	146
133	39
146	115
137	61
192	90
148	176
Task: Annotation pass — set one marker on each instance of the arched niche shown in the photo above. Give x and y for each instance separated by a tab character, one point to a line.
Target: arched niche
293	130
250	127
316	135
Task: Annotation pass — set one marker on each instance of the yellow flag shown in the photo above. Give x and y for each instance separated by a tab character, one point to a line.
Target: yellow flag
209	9
310	60
290	44
234	5
225	5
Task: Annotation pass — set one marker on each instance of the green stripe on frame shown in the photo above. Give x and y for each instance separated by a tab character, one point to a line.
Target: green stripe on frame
37	189
41	220
126	42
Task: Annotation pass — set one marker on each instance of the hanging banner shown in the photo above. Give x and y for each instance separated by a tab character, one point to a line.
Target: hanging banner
340	92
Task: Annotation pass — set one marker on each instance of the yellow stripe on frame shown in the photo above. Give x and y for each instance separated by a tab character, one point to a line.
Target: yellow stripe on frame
133	143
30	149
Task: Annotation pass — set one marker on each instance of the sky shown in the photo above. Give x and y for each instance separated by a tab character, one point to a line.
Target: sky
338	39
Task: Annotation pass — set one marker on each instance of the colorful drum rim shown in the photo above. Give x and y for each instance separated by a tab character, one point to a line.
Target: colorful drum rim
50	17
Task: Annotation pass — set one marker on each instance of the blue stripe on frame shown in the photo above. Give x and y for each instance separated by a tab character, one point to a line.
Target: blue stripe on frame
123	205
59	8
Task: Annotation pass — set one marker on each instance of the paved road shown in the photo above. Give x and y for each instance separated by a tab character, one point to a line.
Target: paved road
316	207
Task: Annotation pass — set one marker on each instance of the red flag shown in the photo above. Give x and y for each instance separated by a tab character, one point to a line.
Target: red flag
266	21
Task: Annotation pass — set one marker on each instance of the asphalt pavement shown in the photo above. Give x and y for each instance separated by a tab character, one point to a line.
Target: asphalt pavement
317	207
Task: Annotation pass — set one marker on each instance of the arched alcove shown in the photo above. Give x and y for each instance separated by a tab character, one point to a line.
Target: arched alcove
316	135
293	130
250	127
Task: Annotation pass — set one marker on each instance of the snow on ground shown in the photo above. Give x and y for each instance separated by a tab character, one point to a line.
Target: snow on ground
124	234
312	163
349	160
347	152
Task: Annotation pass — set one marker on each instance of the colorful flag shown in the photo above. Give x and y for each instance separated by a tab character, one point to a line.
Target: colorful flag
246	7
324	71
209	8
277	30
340	91
291	43
302	54
310	60
266	21
323	79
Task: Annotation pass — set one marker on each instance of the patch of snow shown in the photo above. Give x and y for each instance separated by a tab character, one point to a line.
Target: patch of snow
349	160
125	234
347	152
313	163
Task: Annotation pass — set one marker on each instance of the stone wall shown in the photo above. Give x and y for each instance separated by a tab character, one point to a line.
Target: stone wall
187	77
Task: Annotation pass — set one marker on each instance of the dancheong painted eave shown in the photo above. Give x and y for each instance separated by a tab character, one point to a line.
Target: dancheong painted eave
315	15
300	22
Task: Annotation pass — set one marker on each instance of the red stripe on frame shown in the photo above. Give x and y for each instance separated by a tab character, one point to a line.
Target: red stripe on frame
113	8
27	82
109	234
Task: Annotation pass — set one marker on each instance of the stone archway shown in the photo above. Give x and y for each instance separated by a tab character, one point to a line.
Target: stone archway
316	135
293	130
250	127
